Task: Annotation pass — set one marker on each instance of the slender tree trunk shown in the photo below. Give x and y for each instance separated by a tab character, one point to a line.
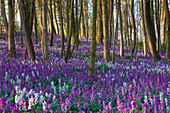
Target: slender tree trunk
78	27
61	26
55	17
99	23
11	42
144	29
35	28
106	54
3	13
51	17
87	19
134	26
67	17
150	30
157	8
27	12
21	30
44	36
93	43
163	24
152	16
111	24
121	31
168	25
66	57
116	31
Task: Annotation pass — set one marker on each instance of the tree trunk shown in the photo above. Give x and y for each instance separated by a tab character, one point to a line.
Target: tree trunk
93	43
51	17
67	17
168	25
121	31
99	23
58	31
71	30
133	24
163	24
44	36
157	8
106	54
116	31
144	29
3	13
27	12
35	28
86	19
150	30
61	26
111	24
11	42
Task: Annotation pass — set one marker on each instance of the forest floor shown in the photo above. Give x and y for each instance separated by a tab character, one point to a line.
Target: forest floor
132	84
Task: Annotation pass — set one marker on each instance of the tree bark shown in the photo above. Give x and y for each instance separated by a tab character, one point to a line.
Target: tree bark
44	36
66	57
3	13
163	24
106	54
35	28
134	26
61	26
93	43
150	30
111	24
11	42
168	25
51	17
121	31
116	31
27	14
144	29
99	23
157	8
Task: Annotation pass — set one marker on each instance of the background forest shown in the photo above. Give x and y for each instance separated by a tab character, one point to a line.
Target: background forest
85	56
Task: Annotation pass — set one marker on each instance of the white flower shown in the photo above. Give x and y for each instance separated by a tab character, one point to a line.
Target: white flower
146	99
41	98
44	105
161	97
17	99
52	83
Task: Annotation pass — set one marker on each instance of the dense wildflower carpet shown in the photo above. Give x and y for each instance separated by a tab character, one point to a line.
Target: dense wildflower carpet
132	84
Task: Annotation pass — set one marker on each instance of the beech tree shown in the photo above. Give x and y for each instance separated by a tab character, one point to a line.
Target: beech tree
168	26
150	30
27	12
11	43
106	48
93	43
44	40
3	13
